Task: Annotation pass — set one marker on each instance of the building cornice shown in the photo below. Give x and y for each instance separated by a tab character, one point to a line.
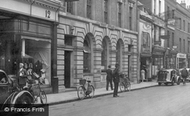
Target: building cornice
50	4
100	24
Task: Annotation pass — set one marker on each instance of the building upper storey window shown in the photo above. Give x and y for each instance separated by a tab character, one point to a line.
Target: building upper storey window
184	25
70	7
106	11
179	23
119	9
130	16
154	6
89	9
173	13
159	7
168	12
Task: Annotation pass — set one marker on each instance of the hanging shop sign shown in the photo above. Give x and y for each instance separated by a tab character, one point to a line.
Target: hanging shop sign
171	24
158	22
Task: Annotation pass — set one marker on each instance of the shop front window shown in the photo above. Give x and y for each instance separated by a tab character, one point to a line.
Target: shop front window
38	59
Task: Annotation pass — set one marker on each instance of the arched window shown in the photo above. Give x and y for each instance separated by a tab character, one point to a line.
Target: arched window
119	51
104	54
87	55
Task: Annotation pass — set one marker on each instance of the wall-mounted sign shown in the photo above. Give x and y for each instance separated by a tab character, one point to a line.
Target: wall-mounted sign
181	55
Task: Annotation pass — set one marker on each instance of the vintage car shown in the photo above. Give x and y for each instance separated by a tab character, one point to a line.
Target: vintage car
167	76
5	86
10	95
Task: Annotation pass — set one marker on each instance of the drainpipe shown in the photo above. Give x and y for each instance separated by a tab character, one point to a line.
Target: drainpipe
138	43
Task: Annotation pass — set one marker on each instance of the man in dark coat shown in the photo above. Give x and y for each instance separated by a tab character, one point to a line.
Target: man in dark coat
116	80
109	78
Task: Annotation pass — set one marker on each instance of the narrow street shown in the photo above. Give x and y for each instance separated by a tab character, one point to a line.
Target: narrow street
156	101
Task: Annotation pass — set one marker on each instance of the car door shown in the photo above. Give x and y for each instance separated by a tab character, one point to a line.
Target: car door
3	87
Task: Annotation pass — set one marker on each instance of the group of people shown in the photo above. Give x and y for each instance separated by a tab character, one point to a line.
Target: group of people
113	76
26	74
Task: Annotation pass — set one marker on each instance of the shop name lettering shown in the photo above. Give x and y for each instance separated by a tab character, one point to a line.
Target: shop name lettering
47	13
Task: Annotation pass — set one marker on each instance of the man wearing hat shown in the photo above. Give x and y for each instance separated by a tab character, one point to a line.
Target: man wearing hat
116	80
109	78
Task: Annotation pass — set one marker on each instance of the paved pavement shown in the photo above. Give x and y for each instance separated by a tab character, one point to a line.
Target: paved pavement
72	95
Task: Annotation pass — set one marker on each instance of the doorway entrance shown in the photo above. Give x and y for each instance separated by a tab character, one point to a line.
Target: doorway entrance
67	75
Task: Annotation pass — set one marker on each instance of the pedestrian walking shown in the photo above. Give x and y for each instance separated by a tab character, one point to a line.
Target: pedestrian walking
184	74
116	80
109	78
142	75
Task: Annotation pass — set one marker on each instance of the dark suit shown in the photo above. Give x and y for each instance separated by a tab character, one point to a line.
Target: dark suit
109	79
116	80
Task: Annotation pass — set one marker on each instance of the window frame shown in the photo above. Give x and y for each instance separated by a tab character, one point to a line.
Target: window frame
89	9
119	13
106	9
70	7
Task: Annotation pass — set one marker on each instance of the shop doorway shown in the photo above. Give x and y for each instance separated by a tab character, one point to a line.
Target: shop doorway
144	66
67	80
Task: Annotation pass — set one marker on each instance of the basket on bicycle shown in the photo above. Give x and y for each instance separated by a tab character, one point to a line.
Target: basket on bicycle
82	81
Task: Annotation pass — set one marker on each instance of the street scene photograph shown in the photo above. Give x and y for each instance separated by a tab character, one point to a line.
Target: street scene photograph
94	57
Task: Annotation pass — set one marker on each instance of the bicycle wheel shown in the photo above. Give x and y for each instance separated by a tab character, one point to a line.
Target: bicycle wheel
43	97
91	87
122	87
81	92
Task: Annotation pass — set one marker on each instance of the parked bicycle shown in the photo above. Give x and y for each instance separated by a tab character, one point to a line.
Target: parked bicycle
35	94
85	89
125	83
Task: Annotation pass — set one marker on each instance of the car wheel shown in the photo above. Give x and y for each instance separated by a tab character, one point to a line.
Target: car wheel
166	83
159	84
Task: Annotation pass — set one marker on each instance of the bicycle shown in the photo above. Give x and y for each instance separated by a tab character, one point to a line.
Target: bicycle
85	90
125	83
39	94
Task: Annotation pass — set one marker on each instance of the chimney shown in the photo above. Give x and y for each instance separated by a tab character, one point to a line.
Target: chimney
183	4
